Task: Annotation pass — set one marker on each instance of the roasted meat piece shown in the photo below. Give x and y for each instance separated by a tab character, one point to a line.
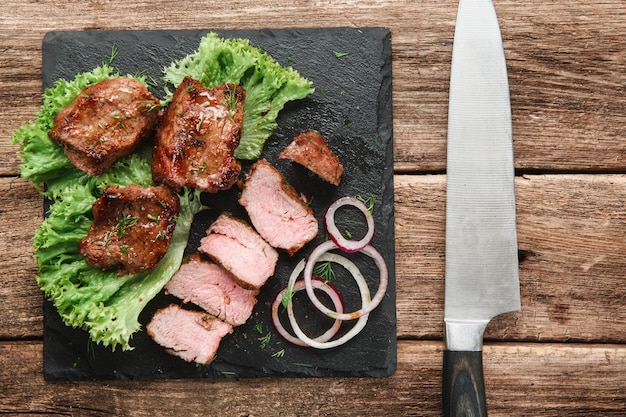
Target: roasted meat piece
132	228
209	286
105	123
310	150
276	210
240	250
193	336
196	140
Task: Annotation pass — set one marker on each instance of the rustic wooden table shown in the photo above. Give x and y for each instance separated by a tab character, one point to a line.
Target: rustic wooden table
563	354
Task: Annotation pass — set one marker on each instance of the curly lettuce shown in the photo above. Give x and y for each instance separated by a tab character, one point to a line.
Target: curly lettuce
269	86
104	304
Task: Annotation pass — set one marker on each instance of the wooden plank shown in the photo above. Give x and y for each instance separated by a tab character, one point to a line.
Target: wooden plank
21	313
565	69
520	380
570	231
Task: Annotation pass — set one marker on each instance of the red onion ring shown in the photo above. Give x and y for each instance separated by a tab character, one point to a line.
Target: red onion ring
361	322
366	307
348	245
296	286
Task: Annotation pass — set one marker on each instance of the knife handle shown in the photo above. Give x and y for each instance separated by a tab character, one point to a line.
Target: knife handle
463	384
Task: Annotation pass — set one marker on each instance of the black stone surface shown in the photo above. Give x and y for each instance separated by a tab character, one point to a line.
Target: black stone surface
351	71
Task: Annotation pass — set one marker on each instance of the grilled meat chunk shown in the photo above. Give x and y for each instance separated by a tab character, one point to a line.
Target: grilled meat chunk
193	336
276	210
132	228
240	250
106	122
310	150
209	286
196	140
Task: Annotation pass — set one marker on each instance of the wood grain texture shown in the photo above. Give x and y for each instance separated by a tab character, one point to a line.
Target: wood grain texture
570	233
563	355
519	380
565	68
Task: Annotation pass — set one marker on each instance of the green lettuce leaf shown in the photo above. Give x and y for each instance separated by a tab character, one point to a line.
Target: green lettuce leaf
269	86
104	304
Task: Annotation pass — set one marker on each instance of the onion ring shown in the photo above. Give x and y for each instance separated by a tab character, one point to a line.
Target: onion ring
348	245
299	286
361	322
319	253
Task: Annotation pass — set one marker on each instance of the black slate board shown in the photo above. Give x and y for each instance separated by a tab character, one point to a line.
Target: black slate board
352	108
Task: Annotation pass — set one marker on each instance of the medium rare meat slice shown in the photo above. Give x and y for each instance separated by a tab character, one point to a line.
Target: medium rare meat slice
276	210
310	150
240	250
132	228
106	122
209	286
196	140
194	336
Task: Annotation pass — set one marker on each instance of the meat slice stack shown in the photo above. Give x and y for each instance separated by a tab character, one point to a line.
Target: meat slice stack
240	250
277	211
211	287
223	280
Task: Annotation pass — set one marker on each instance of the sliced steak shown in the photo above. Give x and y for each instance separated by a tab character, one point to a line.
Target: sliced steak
310	150
132	228
196	140
276	210
240	250
209	286
106	122
194	336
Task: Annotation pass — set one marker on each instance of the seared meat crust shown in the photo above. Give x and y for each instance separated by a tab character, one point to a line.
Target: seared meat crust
310	150
106	122
132	228
196	140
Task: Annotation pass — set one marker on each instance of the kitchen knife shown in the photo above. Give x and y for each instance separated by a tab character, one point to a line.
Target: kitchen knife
481	263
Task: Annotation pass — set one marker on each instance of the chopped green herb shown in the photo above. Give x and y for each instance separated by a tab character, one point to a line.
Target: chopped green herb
154	218
265	340
340	54
114	52
123	223
162	235
325	271
368	201
279	354
304	365
287	296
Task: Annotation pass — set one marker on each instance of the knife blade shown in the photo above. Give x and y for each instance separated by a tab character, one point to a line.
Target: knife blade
481	264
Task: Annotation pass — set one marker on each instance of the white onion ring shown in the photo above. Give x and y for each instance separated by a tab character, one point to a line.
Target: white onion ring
299	286
348	245
319	253
361	322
